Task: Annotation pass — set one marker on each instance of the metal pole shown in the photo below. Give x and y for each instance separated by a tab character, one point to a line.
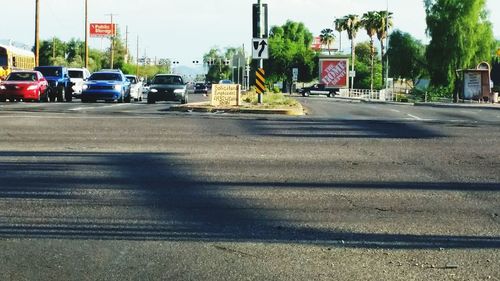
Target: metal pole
387	49
86	36
37	33
261	32
137	59
112	43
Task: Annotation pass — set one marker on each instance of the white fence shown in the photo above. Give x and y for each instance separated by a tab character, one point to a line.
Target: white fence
382	95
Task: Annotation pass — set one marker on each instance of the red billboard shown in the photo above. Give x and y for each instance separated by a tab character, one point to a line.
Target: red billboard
102	29
334	72
316	44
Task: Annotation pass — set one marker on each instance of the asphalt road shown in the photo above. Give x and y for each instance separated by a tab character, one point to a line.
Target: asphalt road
351	191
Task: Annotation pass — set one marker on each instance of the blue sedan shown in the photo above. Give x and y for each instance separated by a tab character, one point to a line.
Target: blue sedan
107	86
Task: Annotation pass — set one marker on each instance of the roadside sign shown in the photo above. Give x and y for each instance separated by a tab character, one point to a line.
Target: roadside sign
295	74
102	29
260	49
352	73
260	81
498	52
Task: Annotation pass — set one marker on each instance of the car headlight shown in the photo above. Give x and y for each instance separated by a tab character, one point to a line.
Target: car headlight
85	87
2	87
118	87
32	87
153	91
178	91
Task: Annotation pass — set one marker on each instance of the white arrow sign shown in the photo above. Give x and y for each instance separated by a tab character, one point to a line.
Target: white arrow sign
260	49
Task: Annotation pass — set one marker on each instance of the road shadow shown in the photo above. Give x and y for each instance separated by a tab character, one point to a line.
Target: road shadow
158	196
335	128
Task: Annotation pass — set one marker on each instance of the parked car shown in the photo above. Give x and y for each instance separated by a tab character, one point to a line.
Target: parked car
24	85
135	87
200	88
77	76
107	86
317	89
167	87
59	82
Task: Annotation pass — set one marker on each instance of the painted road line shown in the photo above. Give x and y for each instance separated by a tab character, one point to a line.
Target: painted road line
96	107
415	117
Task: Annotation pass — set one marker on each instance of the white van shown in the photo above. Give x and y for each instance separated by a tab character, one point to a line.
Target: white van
77	76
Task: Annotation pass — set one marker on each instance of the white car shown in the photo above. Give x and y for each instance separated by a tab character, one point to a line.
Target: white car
135	87
78	76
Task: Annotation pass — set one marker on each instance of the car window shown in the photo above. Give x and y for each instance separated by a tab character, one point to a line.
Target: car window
75	73
105	77
175	80
28	76
50	71
132	80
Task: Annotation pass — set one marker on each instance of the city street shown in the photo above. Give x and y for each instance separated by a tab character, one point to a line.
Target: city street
351	191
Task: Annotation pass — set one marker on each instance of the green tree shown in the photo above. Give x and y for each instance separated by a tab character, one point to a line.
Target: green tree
461	37
352	24
340	26
327	38
290	47
370	22
363	79
53	52
407	56
384	24
219	63
75	50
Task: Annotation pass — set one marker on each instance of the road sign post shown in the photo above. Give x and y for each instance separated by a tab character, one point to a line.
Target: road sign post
260	33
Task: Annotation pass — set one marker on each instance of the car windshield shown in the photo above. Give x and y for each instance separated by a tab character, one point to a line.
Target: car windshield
132	79
200	85
18	76
105	77
75	73
50	71
174	80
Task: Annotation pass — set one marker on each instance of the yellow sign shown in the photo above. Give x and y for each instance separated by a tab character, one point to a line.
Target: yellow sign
260	81
498	52
226	95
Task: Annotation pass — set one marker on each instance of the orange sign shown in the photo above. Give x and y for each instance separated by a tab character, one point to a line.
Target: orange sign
334	72
498	52
102	29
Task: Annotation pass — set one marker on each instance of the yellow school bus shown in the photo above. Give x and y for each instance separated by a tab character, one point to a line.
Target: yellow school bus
12	58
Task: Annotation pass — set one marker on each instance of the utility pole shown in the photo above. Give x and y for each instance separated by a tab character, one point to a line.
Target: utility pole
53	48
37	32
137	59
86	36
126	43
387	49
112	39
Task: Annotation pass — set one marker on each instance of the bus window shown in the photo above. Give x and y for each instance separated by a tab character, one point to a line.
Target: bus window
3	60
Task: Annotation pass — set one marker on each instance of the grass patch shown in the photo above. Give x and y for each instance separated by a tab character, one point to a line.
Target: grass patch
270	100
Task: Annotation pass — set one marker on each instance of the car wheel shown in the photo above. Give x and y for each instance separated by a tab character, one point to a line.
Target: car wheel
184	100
61	93
3	99
128	99
69	96
151	101
306	94
120	99
330	95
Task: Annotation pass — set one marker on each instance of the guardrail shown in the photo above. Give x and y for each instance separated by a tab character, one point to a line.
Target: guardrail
366	94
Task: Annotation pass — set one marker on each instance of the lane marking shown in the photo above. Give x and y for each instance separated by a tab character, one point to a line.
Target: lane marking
395	110
96	107
414	117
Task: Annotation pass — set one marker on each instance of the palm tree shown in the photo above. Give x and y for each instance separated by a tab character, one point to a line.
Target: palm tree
370	23
327	38
340	26
352	24
384	23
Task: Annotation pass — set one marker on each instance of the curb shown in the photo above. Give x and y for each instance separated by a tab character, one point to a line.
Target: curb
463	105
204	108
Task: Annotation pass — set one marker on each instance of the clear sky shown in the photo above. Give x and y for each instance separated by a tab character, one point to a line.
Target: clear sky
185	30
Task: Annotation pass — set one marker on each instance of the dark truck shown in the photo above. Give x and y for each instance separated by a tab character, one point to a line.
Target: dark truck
317	89
59	82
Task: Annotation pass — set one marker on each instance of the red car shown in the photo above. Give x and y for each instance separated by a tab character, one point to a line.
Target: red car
24	85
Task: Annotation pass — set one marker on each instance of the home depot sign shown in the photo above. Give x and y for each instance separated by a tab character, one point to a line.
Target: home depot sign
334	72
102	29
